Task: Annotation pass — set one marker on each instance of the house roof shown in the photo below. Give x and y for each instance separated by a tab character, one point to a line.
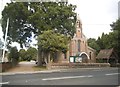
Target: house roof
106	53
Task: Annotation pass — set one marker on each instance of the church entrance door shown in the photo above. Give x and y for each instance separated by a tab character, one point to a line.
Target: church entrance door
84	57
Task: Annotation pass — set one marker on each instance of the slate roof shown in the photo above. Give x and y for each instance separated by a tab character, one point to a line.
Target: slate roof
105	54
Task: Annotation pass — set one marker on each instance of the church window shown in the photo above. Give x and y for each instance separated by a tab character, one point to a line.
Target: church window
90	55
78	45
65	55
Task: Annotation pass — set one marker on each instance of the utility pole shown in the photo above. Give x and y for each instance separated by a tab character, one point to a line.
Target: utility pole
4	47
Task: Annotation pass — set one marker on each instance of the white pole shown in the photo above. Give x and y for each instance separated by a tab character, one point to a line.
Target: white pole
5	40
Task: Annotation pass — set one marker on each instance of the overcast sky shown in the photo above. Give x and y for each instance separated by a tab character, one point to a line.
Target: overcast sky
96	15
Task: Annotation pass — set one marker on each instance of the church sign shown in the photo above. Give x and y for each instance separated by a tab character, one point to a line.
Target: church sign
75	59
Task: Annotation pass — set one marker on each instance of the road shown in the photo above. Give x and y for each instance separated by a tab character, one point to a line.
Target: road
96	76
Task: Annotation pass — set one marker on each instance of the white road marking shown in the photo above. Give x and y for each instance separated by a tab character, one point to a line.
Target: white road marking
69	77
112	74
4	83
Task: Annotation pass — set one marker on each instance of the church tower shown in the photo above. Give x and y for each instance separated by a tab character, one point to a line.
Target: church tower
78	28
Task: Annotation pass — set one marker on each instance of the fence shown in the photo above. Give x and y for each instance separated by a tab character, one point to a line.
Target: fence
5	66
76	65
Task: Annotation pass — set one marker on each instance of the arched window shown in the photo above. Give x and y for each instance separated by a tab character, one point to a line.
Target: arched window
90	55
78	45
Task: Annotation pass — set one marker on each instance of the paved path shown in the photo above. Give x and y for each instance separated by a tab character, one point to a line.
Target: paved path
23	67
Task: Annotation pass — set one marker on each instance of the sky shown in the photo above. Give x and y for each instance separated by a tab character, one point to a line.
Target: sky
96	15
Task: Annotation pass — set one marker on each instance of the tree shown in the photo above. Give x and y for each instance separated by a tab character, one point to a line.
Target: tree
29	54
50	41
19	29
93	43
116	34
56	16
22	55
41	16
13	55
32	53
1	44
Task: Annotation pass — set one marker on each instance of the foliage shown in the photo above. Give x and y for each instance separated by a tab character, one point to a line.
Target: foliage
19	29
1	44
107	41
51	41
92	43
22	53
29	54
33	18
32	53
116	34
13	56
58	16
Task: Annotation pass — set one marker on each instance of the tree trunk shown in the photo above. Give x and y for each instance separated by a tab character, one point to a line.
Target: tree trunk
48	60
39	57
48	57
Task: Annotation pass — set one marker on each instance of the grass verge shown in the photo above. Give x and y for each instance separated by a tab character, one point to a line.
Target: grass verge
39	68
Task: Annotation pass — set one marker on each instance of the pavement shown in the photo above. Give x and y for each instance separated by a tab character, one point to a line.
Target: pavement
26	68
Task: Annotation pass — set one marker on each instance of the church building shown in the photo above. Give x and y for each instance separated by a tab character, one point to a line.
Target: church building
78	47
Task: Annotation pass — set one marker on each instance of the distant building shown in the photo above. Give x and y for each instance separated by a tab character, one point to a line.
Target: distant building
119	9
78	47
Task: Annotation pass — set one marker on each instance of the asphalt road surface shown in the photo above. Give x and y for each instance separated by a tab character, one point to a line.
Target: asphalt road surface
97	76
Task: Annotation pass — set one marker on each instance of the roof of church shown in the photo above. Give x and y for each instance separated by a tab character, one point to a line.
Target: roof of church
91	49
106	53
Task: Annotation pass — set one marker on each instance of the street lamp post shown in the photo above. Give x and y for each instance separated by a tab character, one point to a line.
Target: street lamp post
4	47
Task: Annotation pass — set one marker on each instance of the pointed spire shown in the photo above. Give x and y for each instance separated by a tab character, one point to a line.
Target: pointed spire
78	17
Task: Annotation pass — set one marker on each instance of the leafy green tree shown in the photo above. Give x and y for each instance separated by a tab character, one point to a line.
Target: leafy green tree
22	55
1	44
13	56
19	29
56	16
29	54
50	41
59	16
116	36
32	53
34	18
93	43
